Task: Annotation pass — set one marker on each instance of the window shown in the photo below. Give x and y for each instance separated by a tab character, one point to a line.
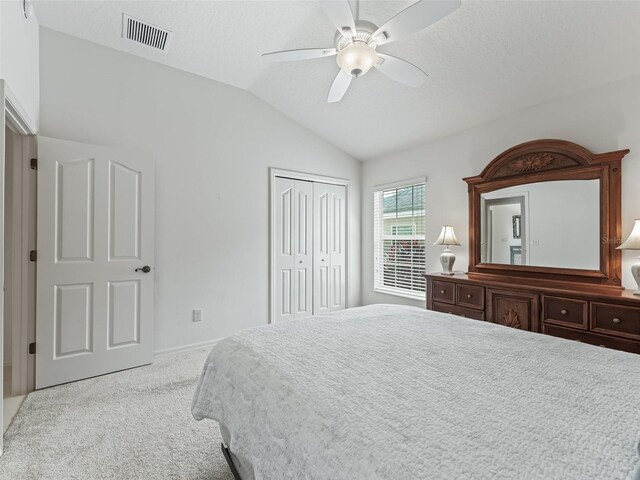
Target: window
399	241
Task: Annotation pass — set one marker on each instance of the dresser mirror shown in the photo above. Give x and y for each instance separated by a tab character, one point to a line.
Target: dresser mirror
546	224
547	209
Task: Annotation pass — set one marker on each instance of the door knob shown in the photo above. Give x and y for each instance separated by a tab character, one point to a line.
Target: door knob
145	269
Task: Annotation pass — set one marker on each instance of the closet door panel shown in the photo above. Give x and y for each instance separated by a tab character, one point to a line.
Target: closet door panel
284	281
321	241
329	247
337	199
303	261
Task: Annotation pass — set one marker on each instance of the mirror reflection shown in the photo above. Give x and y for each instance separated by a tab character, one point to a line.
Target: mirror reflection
546	224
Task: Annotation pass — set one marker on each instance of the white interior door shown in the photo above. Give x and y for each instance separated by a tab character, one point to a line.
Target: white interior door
293	237
95	235
329	275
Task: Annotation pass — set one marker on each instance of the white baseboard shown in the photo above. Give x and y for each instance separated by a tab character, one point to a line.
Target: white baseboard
185	348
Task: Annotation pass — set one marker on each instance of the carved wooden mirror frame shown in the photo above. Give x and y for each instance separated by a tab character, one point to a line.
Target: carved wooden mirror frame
548	160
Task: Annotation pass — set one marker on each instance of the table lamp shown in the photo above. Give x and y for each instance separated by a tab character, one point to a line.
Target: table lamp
633	243
447	238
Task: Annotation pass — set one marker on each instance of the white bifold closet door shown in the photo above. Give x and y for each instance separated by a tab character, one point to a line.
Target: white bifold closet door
309	248
328	247
293	248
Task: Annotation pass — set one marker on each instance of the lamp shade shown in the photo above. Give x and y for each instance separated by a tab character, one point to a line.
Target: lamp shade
447	236
633	241
357	58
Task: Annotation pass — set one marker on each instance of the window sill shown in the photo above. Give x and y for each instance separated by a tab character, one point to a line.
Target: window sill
399	293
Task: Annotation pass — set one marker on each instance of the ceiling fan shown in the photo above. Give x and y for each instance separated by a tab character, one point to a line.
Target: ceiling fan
357	42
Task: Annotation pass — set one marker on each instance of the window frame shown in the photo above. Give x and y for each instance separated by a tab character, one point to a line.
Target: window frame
378	239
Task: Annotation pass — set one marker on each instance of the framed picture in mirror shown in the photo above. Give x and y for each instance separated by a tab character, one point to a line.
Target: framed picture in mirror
516	220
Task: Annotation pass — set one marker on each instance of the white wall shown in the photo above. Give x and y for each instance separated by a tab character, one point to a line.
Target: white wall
602	119
213	145
19	58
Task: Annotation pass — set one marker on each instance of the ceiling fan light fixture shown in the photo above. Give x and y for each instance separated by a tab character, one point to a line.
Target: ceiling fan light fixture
357	58
356	42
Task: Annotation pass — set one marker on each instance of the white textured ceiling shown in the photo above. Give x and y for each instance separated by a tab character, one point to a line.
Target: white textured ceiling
487	59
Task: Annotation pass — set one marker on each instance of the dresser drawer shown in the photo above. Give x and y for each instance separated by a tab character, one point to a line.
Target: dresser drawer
443	291
565	311
458	310
470	296
592	338
615	320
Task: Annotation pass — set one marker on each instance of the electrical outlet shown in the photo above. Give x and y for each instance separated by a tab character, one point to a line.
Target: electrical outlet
197	315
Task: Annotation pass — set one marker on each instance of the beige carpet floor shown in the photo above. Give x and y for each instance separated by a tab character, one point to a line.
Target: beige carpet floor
135	424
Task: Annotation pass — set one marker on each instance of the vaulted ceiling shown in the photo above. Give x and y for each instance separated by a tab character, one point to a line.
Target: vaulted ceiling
487	59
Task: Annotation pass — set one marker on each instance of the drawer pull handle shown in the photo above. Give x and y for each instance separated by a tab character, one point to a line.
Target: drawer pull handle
469	295
616	320
443	292
564	312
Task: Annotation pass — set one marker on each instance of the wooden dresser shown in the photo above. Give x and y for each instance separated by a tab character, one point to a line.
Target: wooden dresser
588	315
545	287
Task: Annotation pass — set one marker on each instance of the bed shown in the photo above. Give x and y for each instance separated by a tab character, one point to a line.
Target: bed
393	392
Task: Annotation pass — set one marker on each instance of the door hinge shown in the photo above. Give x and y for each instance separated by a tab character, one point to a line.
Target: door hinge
32	348
34	164
33	255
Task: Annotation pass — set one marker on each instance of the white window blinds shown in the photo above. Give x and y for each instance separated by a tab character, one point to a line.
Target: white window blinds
399	240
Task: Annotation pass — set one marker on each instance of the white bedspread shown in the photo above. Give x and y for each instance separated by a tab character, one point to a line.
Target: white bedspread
390	392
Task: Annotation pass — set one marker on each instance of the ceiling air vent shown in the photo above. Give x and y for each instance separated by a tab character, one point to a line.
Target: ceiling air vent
145	33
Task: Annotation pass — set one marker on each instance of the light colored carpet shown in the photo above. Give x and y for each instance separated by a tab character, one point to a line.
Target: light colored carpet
135	424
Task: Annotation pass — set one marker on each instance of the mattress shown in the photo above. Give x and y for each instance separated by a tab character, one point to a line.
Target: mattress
392	392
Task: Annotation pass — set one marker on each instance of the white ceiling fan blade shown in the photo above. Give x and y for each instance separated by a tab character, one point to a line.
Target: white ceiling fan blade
339	87
414	18
400	70
299	54
339	11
